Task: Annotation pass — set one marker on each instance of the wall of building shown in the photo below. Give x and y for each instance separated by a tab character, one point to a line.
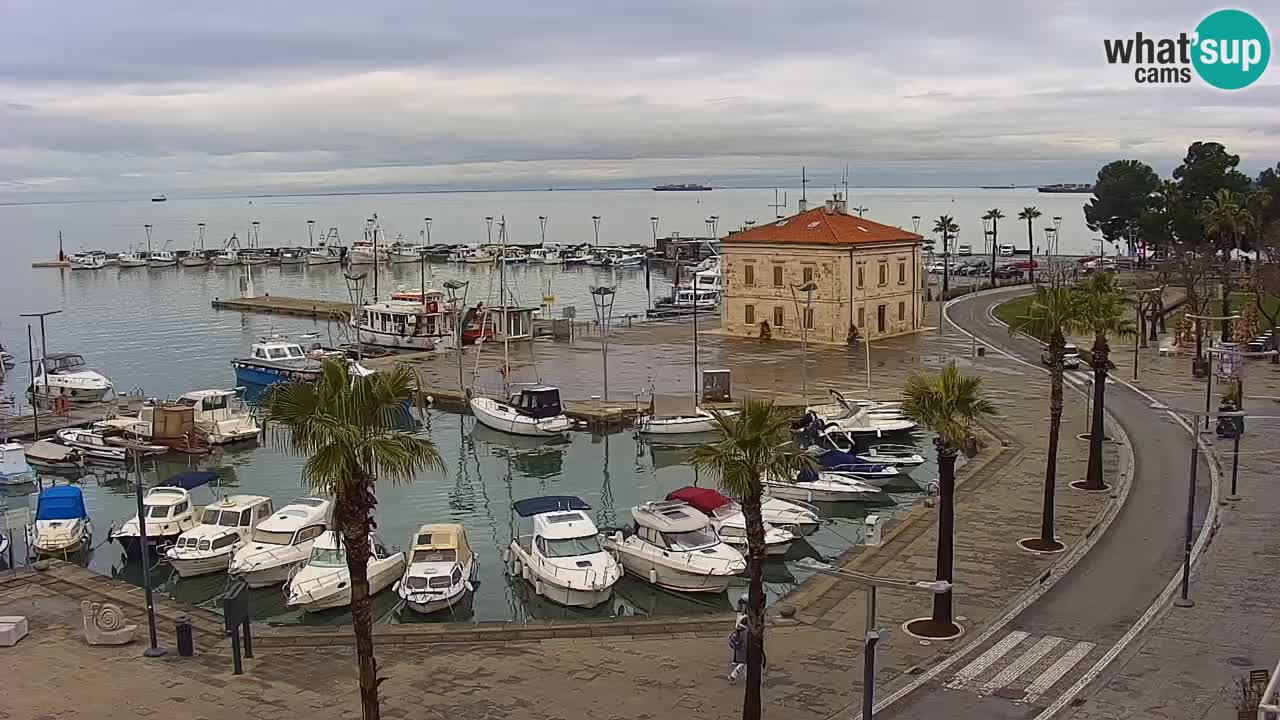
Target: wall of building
756	295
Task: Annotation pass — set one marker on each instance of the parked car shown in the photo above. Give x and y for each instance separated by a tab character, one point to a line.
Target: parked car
1026	264
935	268
964	250
1009	272
1070	357
1006	249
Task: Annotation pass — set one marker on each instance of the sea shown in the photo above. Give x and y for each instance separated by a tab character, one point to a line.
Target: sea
154	333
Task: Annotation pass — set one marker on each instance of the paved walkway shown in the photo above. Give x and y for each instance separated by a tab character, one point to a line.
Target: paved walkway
662	670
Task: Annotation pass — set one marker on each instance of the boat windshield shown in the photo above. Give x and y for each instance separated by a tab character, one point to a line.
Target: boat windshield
158	511
570	547
226	518
691	540
266	537
439	555
327	557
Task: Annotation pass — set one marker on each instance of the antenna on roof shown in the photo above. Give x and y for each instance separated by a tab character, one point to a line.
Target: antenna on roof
846	182
777	206
804	190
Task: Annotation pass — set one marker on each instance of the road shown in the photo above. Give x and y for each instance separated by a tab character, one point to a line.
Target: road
1055	640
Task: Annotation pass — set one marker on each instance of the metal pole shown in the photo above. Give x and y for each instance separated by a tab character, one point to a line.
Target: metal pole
35	409
1183	600
1208	388
871	638
1137	319
154	650
696	396
1235	464
866	340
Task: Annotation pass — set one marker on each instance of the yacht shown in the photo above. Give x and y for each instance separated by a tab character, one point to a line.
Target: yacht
162	259
91	444
62	526
221	415
14	469
727	518
532	411
130	259
852	417
66	375
562	558
88	260
405	252
821	487
281	543
224	528
275	360
442	570
324	255
324	582
168	511
700	421
425	325
674	546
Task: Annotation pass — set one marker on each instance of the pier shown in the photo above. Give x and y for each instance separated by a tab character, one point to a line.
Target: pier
78	415
281	305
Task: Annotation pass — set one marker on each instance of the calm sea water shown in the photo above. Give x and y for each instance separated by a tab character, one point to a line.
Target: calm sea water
154	331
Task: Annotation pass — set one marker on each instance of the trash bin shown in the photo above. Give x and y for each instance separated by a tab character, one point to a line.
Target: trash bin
186	648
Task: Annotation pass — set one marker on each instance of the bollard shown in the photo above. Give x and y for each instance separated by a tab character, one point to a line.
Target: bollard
186	648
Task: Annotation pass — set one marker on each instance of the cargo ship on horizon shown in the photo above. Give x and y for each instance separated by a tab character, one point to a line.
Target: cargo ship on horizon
1067	188
681	187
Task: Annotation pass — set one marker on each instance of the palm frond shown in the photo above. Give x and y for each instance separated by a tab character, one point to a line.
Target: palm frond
947	403
749	446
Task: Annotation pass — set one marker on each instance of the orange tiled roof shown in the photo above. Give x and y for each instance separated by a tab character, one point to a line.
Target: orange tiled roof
819	227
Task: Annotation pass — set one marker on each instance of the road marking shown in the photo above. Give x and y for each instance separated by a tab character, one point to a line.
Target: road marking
1055	672
1021	665
986	660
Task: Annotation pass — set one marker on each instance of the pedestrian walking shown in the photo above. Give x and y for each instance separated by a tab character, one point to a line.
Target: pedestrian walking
738	648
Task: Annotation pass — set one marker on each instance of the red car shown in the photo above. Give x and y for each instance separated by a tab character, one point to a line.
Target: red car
1026	264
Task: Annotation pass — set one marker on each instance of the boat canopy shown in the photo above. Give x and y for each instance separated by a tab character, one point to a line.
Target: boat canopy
834	459
190	480
669	516
61	502
548	503
442	536
538	402
706	500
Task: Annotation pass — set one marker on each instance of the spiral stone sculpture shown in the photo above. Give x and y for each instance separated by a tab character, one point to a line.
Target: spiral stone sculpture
105	624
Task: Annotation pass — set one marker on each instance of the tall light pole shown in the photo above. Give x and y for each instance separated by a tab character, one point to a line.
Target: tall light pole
459	315
311	232
807	289
488	229
653	222
427	222
915	274
871	635
602	301
154	650
1208	385
542	229
595	221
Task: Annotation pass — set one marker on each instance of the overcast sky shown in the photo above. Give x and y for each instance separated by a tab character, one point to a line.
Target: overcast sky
122	96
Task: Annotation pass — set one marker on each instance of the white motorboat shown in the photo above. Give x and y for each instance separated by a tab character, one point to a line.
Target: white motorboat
14	469
366	250
472	255
62	526
840	450
224	528
221	415
799	517
254	258
699	421
49	455
162	259
88	260
532	411
195	258
91	443
562	558
891	454
821	487
675	547
546	255
66	375
292	256
853	418
130	259
442	569
324	255
619	258
727	518
842	463
324	582
168	511
425	325
281	543
404	252
227	258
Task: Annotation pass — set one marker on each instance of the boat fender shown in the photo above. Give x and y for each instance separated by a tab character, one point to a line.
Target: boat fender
537	587
468	586
653	576
524	572
506	556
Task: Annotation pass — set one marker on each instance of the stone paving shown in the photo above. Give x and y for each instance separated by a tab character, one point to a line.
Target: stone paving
814	661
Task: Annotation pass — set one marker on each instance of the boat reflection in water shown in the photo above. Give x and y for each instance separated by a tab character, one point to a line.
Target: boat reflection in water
536	457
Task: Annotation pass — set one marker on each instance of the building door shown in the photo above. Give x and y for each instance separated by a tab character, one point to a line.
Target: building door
880	319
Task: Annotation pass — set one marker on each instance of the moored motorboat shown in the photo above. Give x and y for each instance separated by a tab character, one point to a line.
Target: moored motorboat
442	570
168	513
561	557
48	455
324	582
131	259
674	546
425	325
532	411
699	421
821	487
162	259
892	454
727	518
275	360
88	260
92	444
221	415
281	543
224	528
853	418
65	375
14	468
62	526
324	255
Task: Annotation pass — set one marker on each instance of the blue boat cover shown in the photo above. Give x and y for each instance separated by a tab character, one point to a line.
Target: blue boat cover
549	503
835	458
61	502
190	480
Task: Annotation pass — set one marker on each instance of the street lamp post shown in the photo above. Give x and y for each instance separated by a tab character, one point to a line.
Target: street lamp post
459	313
807	289
602	301
595	221
1208	385
871	636
653	222
427	222
153	650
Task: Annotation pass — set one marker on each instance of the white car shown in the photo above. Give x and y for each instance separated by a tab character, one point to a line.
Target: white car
1006	250
1070	357
964	250
935	268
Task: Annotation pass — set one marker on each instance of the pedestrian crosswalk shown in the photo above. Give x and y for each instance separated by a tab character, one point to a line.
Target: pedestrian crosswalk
1023	667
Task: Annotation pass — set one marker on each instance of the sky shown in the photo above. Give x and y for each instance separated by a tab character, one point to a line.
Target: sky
122	98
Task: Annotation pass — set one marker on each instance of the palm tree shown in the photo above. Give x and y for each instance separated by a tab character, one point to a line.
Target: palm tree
348	429
1030	214
994	215
750	446
1052	312
1103	313
948	404
946	226
1228	216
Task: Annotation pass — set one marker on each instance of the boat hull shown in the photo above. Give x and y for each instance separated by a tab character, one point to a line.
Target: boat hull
264	577
799	491
490	416
775	549
194	567
323	260
247	374
669	578
420	343
133	546
341	597
434	606
193	262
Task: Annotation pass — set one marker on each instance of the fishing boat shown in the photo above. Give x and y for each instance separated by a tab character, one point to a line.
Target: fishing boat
229	255
727	518
254	258
546	255
88	260
196	256
275	360
168	513
51	456
292	256
130	259
161	259
623	258
62	526
821	487
472	255
324	582
281	543
674	546
576	257
92	444
406	252
14	469
425	325
224	527
366	250
158	198
561	557
65	375
327	255
442	570
221	415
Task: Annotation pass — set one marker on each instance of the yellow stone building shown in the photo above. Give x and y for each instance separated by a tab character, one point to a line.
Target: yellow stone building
866	275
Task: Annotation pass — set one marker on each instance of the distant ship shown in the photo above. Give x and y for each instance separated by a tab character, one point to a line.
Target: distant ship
1067	188
1010	186
158	198
681	187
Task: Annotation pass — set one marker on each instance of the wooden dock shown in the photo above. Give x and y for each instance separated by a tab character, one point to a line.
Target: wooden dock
596	415
281	305
78	415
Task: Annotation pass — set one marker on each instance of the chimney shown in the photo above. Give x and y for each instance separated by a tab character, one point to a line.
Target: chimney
829	207
840	205
802	205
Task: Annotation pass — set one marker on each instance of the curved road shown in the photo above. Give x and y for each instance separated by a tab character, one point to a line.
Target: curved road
1059	636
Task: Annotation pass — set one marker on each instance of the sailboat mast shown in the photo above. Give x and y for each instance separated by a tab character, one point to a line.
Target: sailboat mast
695	335
502	302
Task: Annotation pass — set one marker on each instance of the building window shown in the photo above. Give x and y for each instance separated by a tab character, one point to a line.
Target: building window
882	318
777	316
777	276
902	273
808	318
884	274
750	315
860	278
862	316
749	275
808	275
902	311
